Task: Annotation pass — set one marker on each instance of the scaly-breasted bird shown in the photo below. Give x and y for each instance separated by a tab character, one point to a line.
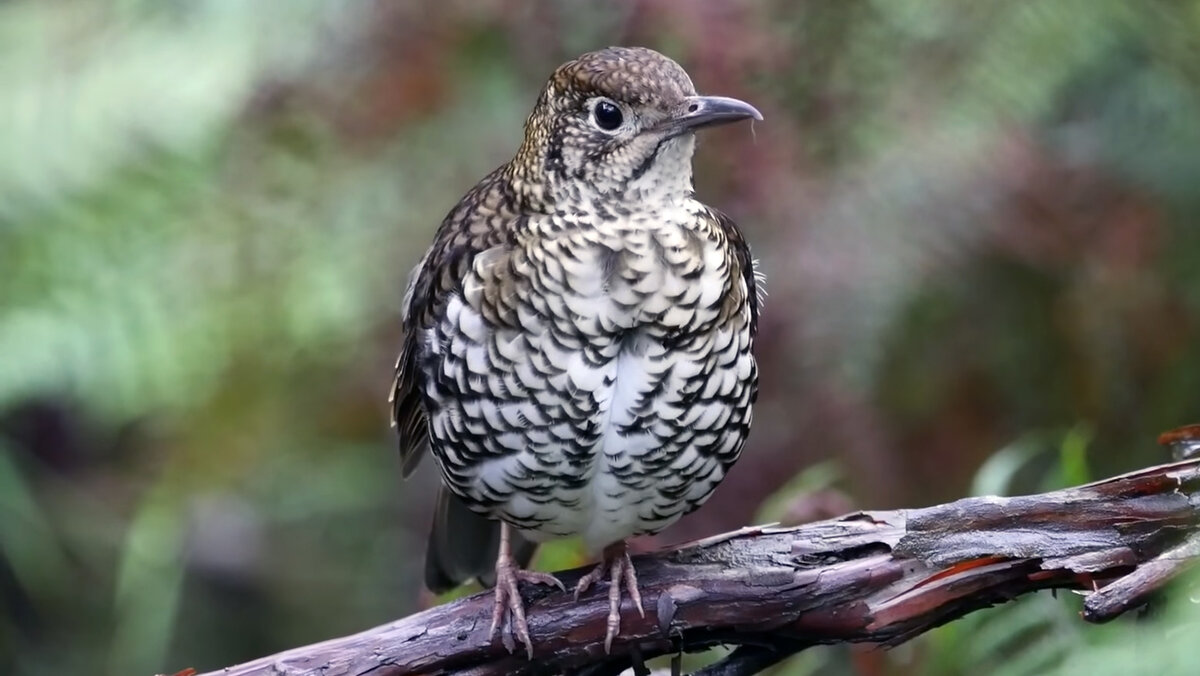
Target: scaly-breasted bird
578	338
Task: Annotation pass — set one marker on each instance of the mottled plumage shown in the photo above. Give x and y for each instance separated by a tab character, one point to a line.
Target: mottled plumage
578	338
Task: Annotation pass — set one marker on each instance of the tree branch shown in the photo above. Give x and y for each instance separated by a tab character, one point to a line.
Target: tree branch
881	577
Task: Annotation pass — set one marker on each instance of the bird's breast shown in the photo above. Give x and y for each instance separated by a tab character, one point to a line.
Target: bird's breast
587	382
656	272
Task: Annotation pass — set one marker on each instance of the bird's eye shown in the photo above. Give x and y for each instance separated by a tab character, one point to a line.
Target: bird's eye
607	115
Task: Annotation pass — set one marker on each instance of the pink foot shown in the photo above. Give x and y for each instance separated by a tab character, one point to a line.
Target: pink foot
620	572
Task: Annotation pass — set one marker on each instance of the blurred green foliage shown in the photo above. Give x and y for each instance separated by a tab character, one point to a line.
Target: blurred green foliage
977	219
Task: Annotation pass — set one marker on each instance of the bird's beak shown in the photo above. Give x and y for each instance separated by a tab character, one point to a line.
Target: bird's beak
709	111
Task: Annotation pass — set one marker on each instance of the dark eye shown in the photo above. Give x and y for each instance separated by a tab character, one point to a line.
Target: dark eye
607	115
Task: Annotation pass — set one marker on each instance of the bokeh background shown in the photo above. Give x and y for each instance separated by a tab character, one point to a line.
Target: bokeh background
978	222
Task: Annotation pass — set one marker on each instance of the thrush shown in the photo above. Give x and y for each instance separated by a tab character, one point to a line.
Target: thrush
578	350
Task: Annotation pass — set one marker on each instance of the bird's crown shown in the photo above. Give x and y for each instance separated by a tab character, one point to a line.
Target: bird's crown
634	75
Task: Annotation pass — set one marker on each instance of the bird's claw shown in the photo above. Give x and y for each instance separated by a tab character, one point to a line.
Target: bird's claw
620	572
508	597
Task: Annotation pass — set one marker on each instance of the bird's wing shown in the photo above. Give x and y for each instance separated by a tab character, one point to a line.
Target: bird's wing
483	219
407	415
745	265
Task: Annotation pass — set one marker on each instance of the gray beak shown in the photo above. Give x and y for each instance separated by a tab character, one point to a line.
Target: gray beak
709	111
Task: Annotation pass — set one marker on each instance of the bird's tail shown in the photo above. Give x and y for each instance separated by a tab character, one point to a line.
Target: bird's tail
464	545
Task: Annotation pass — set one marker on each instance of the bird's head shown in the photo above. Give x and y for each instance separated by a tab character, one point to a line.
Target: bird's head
617	122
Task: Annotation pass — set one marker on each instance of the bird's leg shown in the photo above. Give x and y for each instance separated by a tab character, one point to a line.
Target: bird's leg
508	596
619	569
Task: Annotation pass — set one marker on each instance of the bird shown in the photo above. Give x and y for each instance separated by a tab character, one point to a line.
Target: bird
578	339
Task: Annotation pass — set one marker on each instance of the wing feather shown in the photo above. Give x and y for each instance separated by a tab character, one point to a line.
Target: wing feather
481	220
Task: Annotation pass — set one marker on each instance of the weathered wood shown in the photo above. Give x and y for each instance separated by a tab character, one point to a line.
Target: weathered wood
879	577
